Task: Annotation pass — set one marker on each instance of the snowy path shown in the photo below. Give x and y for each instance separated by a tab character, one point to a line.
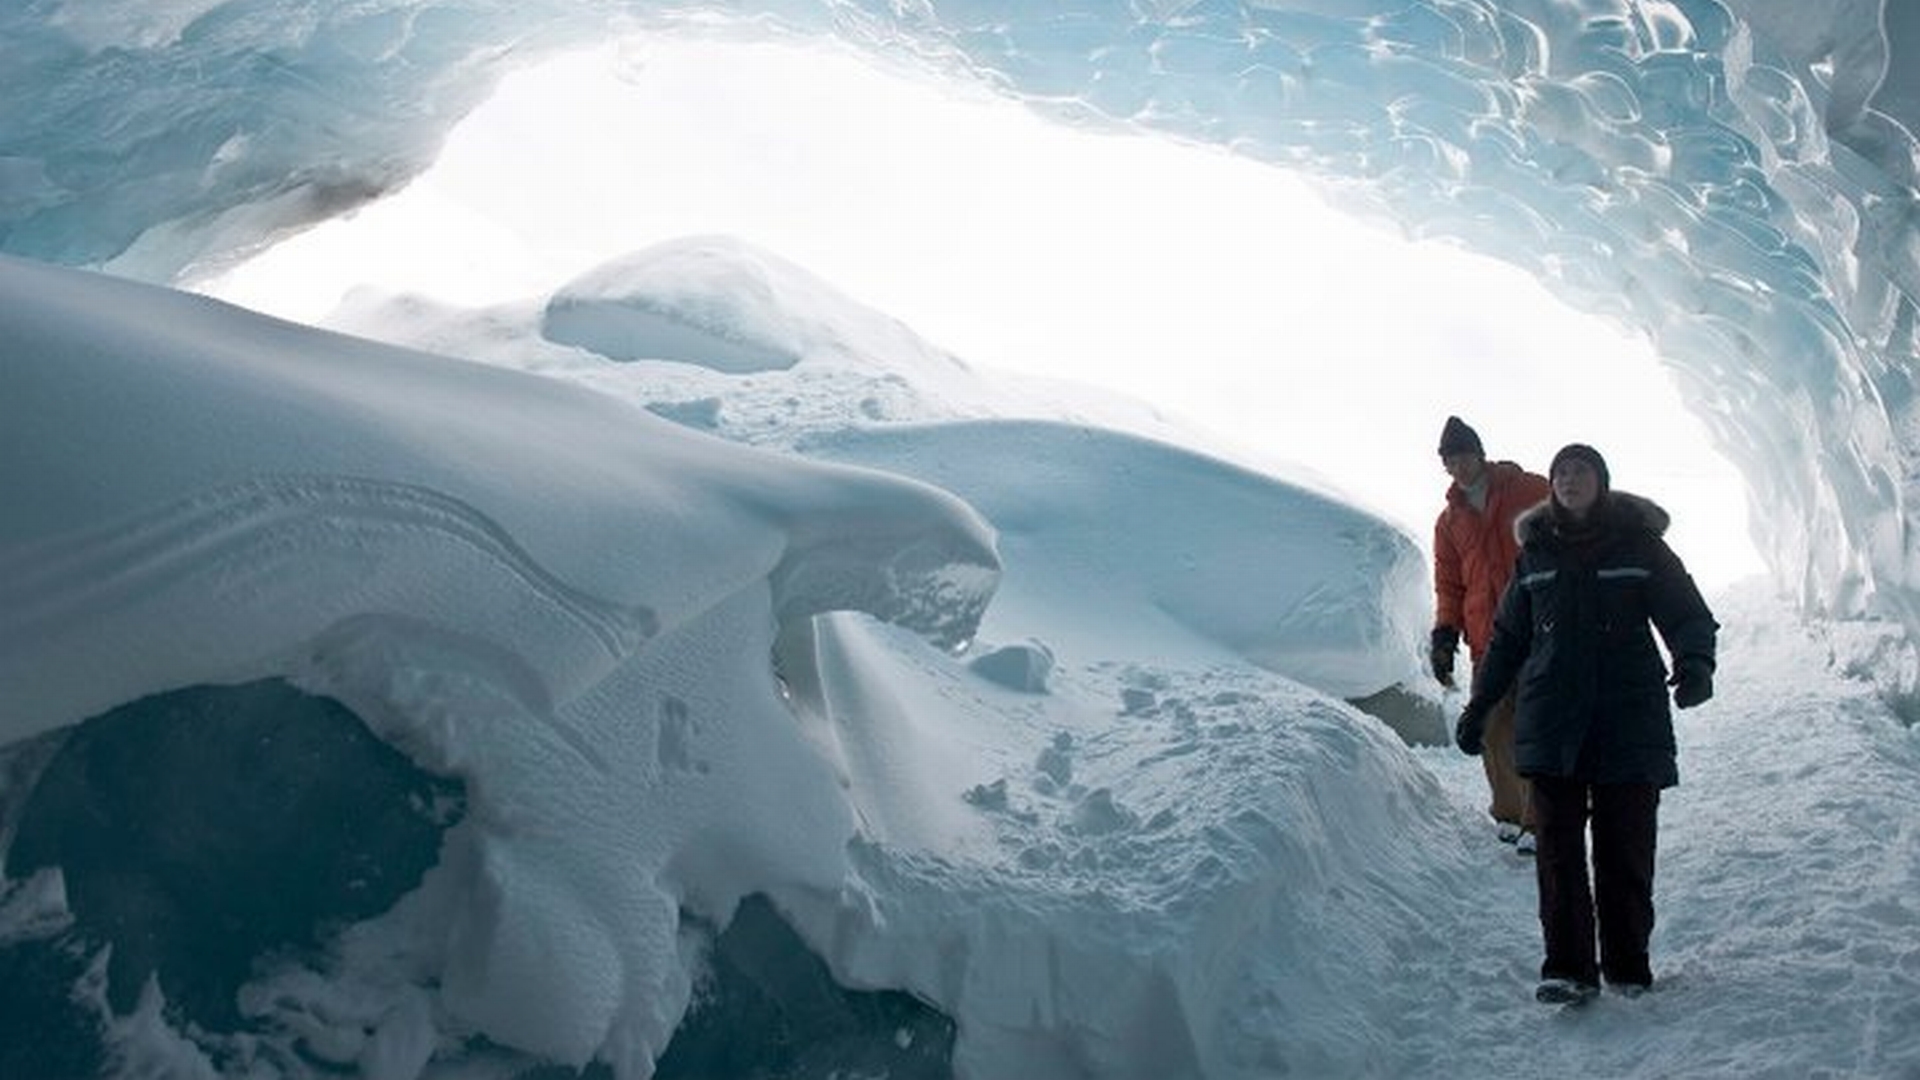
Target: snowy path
1788	893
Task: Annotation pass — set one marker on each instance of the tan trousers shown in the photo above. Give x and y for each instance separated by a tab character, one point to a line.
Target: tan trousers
1511	799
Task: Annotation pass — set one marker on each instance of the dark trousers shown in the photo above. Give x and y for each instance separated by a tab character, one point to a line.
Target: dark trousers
1619	903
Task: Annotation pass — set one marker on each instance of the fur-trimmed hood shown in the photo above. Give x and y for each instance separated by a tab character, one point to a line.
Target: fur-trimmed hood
1625	510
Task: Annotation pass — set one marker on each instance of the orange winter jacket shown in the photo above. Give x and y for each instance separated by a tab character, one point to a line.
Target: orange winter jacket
1474	550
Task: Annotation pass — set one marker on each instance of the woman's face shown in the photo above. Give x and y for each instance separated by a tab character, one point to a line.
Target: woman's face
1575	485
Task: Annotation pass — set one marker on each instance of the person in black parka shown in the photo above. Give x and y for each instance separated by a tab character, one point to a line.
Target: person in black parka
1593	732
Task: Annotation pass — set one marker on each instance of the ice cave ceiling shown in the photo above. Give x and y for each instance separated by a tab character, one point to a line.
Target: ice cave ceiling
1737	177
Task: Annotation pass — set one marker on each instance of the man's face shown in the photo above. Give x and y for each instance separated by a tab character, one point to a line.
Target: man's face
1464	468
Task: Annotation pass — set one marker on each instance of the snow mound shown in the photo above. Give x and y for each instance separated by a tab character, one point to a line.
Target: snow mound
1111	541
1218	883
1104	519
200	451
565	602
719	303
592	618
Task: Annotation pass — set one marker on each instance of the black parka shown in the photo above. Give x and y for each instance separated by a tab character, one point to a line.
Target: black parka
1574	629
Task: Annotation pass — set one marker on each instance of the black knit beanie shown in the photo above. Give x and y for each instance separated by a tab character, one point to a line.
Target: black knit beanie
1458	438
1587	454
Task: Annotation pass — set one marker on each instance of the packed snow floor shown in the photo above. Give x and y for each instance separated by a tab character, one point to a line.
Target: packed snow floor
1788	888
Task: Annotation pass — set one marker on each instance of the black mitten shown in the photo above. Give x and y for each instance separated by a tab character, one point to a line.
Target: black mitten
1469	732
1441	647
1692	681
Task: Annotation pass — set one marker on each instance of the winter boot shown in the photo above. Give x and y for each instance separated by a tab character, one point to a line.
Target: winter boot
1564	992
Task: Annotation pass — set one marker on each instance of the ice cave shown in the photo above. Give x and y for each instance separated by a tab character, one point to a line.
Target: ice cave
589	628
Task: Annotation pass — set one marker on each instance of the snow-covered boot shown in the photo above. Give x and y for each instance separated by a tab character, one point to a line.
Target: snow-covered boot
1564	992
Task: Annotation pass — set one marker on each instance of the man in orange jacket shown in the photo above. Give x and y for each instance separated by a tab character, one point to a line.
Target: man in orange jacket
1473	556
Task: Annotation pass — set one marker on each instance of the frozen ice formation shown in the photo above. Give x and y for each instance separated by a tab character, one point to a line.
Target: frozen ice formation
676	672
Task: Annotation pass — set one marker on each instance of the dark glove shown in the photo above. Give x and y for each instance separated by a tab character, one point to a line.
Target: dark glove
1692	681
1469	732
1440	649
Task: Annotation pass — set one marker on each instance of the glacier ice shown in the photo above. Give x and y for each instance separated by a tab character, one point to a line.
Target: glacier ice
571	603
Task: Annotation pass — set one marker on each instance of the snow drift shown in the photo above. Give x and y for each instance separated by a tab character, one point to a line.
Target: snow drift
669	672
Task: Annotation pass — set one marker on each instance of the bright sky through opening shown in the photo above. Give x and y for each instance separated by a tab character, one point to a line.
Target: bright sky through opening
1219	290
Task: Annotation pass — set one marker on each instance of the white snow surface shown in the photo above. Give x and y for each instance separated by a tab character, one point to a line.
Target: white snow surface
564	600
1179	855
1112	518
728	307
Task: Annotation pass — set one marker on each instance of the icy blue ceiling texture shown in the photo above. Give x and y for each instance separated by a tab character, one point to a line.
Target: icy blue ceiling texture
1735	176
